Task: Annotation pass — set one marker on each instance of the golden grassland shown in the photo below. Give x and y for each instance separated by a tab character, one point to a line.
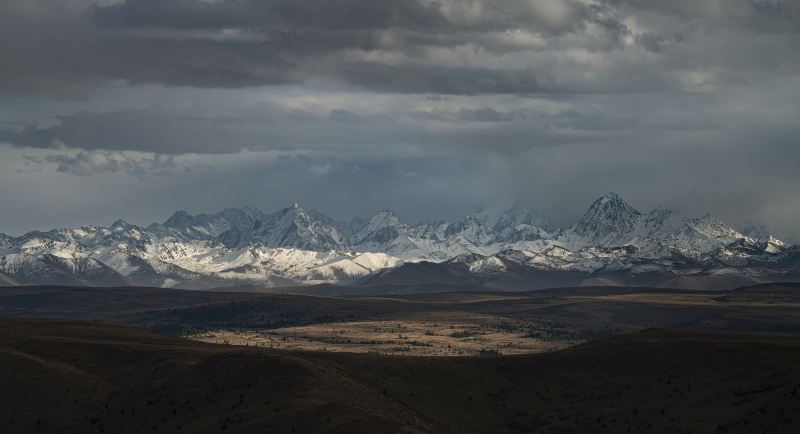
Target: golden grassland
447	336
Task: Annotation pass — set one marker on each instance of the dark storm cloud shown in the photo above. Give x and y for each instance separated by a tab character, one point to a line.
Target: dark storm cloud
90	163
269	126
147	130
651	42
463	81
547	16
768	16
268	14
472	115
63	48
69	46
691	104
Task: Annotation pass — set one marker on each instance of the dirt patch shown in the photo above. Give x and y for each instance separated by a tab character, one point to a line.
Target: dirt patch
473	336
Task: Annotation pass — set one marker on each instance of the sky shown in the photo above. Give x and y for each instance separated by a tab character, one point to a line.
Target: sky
137	108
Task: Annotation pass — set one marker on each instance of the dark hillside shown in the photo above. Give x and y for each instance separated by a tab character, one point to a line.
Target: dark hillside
64	377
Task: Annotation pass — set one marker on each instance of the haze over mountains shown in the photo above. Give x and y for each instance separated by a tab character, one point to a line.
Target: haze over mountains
513	248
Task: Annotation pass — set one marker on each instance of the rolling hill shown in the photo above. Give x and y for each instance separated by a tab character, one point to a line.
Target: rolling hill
62	376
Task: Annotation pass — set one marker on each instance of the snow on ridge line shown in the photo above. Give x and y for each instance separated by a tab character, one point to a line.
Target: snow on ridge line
295	245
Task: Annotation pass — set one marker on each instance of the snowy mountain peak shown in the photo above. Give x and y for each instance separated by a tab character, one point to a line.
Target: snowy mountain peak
773	245
610	197
246	245
294	227
775	241
382	228
518	215
385	217
293	210
708	219
711	227
472	228
5	241
754	230
180	219
121	225
608	217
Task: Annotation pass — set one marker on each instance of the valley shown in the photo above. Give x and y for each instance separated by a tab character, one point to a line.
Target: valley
584	359
93	378
424	323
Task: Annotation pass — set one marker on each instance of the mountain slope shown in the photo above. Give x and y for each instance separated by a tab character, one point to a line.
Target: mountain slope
608	220
239	246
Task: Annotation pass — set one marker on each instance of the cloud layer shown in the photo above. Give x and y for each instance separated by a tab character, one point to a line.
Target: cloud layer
406	46
419	105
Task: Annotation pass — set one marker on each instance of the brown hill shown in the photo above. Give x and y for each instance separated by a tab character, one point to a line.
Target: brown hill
65	377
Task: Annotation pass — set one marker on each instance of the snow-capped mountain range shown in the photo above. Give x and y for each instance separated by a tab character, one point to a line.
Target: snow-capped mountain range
246	246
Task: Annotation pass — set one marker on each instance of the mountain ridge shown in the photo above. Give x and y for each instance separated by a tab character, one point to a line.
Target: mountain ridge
248	246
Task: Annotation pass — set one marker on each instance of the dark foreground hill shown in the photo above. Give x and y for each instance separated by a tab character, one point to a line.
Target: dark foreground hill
69	377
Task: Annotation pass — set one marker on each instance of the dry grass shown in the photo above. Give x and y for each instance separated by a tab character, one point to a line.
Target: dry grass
454	336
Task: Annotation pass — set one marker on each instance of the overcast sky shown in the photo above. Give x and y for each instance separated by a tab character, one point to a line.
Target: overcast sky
137	108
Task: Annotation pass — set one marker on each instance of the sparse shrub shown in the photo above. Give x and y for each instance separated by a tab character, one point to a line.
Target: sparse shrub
463	334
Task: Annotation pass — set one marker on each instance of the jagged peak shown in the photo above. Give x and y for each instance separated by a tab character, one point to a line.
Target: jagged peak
518	214
613	201
607	217
473	218
707	217
383	227
290	212
384	217
178	218
384	211
294	208
744	243
612	198
611	195
711	221
5	239
608	206
120	223
711	226
772	240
